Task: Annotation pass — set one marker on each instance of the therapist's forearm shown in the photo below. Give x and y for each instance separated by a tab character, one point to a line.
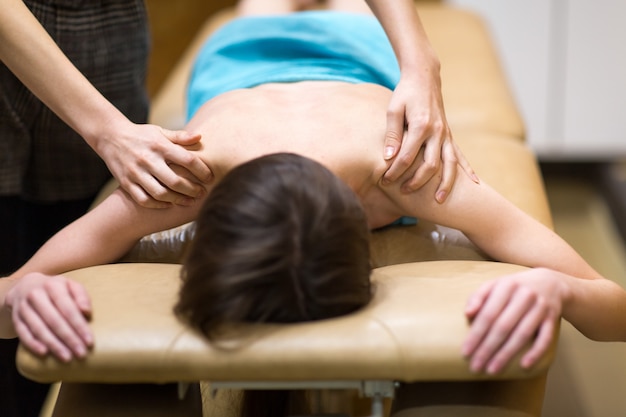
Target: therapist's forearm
33	56
406	33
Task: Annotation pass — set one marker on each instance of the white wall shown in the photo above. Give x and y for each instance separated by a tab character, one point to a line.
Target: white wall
566	62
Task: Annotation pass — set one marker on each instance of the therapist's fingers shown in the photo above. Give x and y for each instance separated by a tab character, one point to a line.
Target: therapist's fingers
440	149
452	158
182	137
405	164
142	194
449	171
447	179
464	163
154	189
166	185
394	132
427	167
403	142
143	166
186	159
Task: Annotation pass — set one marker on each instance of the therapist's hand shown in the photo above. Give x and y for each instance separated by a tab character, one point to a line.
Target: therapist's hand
50	314
141	157
416	119
510	314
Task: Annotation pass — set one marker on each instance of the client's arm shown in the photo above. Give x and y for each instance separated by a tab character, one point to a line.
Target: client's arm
46	310
416	115
509	312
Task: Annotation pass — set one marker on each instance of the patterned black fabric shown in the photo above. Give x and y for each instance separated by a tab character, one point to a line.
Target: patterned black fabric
48	174
41	158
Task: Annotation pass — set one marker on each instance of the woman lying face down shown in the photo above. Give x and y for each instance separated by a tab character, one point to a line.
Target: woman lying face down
284	239
340	125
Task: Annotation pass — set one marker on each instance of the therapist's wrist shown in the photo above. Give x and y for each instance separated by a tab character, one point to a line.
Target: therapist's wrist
105	129
427	58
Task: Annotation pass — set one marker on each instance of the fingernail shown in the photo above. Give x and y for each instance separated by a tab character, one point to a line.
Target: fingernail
476	179
471	304
66	356
526	363
475	367
389	151
493	369
80	351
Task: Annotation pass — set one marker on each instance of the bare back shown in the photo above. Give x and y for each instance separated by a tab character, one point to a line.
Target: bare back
340	125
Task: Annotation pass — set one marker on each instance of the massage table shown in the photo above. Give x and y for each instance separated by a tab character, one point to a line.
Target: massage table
146	362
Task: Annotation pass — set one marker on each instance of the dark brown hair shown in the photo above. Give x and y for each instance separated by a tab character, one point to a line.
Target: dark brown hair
280	239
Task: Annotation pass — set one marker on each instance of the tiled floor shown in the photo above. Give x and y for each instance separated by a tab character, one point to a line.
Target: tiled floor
588	378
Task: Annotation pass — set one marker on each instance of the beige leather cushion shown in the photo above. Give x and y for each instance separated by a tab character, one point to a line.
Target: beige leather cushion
412	330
